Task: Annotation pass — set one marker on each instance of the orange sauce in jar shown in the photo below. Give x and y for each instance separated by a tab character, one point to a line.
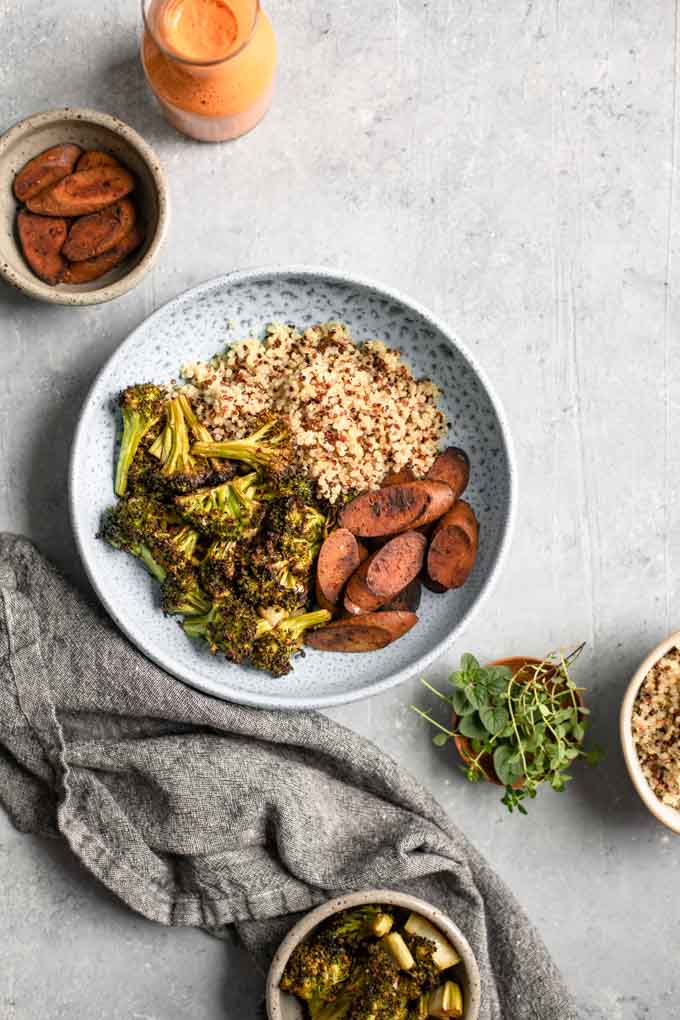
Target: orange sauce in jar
210	63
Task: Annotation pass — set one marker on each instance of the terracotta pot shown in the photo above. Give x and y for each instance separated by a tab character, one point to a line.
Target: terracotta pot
463	745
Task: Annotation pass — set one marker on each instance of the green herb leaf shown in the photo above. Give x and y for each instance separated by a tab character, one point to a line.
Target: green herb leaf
508	768
494	718
498	678
460	702
439	739
468	663
471	726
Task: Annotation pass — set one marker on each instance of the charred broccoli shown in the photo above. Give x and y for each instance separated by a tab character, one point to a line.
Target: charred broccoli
269	447
280	566
275	648
219	566
141	407
314	972
229	627
372	991
182	595
130	526
352	926
179	470
225	511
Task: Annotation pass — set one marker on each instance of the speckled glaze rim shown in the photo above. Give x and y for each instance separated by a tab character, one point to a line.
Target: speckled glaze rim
34	287
300	931
664	813
225	690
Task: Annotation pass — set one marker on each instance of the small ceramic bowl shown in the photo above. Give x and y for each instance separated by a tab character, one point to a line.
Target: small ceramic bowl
282	1006
90	130
666	814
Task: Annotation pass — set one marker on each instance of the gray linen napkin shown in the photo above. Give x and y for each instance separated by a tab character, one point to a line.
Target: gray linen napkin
198	812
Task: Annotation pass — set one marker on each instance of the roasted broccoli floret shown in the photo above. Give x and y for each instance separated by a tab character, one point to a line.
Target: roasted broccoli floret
229	627
280	565
372	991
298	530
175	547
219	566
314	972
141	407
222	470
182	594
127	526
269	447
179	470
226	511
274	650
352	926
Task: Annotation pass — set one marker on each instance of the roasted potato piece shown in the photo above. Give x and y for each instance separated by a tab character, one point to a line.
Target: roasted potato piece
338	559
41	240
453	467
92	269
44	170
95	157
83	192
361	633
94	234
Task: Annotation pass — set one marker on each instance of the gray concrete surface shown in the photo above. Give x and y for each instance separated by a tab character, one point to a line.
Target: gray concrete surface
512	164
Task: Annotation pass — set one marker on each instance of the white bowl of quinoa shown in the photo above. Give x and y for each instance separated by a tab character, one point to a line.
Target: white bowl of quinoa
650	731
370	381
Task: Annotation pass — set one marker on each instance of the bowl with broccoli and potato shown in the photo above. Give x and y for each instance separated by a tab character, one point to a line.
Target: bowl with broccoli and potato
374	955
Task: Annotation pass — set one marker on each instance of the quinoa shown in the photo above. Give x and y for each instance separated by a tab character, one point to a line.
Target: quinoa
356	412
656	728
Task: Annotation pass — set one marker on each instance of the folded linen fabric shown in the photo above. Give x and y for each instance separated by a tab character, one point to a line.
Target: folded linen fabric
199	812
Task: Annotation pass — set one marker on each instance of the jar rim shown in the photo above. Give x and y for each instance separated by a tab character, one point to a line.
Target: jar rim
178	58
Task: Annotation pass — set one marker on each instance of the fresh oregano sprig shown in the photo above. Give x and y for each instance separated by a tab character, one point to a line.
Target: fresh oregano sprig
525	727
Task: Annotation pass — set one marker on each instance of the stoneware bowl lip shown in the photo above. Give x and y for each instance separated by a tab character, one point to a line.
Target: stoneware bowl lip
31	285
664	813
390	897
262	700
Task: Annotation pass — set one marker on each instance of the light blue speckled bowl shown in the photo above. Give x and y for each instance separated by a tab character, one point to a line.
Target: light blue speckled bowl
193	327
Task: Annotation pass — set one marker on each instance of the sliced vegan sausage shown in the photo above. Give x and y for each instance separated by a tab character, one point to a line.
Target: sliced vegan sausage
384	511
407	600
92	269
462	514
45	169
41	240
396	508
451	557
358	596
397	477
452	466
338	559
453	548
94	234
95	157
83	192
362	633
441	501
391	568
384	574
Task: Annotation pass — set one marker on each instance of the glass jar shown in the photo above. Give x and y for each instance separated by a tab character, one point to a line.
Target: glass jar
210	63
